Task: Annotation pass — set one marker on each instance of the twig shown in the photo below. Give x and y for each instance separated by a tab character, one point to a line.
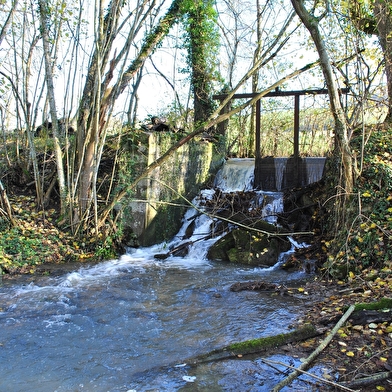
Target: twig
323	380
315	353
363	364
368	380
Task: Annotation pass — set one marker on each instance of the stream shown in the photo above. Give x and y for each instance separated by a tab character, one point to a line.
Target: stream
133	323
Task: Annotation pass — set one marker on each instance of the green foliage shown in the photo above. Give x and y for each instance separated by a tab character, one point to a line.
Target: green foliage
19	248
105	249
368	242
361	15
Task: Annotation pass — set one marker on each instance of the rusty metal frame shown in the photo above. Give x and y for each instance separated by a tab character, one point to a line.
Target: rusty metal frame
278	93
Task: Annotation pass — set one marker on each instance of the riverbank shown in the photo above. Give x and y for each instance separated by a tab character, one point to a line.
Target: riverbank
359	355
362	346
36	243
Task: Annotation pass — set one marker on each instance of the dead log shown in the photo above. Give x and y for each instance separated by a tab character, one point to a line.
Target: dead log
362	317
360	382
173	251
254	285
180	248
238	350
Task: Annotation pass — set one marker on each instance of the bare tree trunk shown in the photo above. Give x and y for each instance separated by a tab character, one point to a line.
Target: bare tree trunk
43	12
133	101
341	133
4	202
8	21
383	16
90	117
24	106
255	78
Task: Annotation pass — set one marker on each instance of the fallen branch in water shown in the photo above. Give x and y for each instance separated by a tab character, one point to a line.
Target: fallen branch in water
254	286
323	380
238	350
288	380
183	246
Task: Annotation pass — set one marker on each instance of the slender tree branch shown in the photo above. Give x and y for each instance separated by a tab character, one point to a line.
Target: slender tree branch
289	379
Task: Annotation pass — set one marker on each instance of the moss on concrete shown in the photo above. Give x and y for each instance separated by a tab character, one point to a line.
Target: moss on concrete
181	176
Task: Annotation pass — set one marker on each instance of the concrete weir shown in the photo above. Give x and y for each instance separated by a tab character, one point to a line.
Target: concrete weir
278	174
269	174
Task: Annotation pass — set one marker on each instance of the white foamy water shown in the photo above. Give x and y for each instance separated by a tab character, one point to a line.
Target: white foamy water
237	174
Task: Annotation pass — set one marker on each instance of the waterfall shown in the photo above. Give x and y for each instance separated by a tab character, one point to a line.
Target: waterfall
237	174
200	228
206	222
274	174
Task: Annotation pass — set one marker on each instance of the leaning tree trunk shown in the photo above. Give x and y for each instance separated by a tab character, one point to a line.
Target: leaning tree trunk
8	21
342	147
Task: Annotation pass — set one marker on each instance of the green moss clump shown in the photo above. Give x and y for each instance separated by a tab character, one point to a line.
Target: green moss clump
383	303
261	344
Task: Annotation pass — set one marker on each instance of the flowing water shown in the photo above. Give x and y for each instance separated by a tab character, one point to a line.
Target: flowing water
131	324
127	324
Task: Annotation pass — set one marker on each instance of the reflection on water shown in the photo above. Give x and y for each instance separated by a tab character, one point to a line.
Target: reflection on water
131	324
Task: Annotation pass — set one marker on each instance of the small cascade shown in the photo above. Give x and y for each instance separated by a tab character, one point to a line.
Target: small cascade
204	224
198	230
278	174
233	201
314	169
280	169
237	174
269	174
